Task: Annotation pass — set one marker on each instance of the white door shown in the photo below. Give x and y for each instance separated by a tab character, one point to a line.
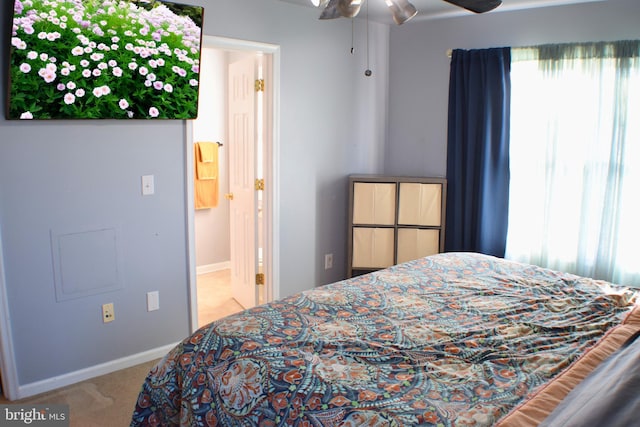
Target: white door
242	173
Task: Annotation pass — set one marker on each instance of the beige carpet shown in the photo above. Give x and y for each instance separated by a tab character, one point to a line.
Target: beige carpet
109	400
105	401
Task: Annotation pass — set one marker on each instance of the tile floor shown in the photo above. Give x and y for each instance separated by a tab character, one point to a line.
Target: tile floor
214	297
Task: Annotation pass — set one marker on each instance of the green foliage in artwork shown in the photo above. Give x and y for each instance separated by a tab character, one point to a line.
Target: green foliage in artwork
104	59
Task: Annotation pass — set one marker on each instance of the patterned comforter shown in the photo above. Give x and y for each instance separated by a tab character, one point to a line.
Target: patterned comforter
449	340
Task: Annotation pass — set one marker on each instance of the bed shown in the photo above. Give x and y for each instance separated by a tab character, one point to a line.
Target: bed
454	339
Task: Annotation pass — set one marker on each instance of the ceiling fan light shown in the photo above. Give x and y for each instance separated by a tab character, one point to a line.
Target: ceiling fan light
331	10
349	8
401	10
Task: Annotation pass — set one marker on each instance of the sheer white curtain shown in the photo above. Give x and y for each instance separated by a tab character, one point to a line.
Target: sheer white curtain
575	159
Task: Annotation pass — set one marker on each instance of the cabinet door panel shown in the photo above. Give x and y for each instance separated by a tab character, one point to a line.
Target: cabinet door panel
372	247
420	204
414	243
374	203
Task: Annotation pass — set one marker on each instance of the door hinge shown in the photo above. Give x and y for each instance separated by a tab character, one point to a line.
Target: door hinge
259	85
260	279
260	184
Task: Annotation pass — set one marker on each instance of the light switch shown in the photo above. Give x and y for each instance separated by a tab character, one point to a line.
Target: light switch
148	186
153	301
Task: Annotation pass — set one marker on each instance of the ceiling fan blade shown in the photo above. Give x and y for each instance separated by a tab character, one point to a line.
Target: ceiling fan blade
477	6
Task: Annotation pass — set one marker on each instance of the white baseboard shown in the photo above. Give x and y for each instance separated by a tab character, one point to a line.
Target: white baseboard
28	390
210	268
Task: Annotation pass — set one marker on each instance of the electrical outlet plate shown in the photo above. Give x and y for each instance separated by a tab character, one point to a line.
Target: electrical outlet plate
153	301
108	314
328	261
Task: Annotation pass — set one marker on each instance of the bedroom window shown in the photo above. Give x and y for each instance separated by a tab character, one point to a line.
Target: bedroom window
575	159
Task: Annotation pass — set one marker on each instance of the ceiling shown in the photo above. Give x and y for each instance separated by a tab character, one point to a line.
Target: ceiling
437	9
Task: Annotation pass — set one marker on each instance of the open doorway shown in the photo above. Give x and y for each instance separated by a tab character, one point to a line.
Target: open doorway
223	250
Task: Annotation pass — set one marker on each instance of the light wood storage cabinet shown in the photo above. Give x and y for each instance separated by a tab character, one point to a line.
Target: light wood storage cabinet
394	220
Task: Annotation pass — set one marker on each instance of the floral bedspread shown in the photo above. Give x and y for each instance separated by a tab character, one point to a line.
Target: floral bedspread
453	339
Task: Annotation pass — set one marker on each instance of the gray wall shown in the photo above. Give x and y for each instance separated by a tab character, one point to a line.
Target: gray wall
67	175
419	70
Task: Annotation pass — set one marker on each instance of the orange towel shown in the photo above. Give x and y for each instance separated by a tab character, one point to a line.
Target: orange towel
205	190
208	151
207	160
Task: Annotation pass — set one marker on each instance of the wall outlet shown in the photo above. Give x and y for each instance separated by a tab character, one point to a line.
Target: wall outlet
328	261
108	314
153	301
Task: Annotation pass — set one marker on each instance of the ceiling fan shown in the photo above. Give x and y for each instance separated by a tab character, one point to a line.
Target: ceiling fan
401	10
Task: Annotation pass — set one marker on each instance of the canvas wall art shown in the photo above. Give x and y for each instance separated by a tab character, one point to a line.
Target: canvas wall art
104	59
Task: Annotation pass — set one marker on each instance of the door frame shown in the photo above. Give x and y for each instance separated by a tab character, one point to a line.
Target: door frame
271	207
8	369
